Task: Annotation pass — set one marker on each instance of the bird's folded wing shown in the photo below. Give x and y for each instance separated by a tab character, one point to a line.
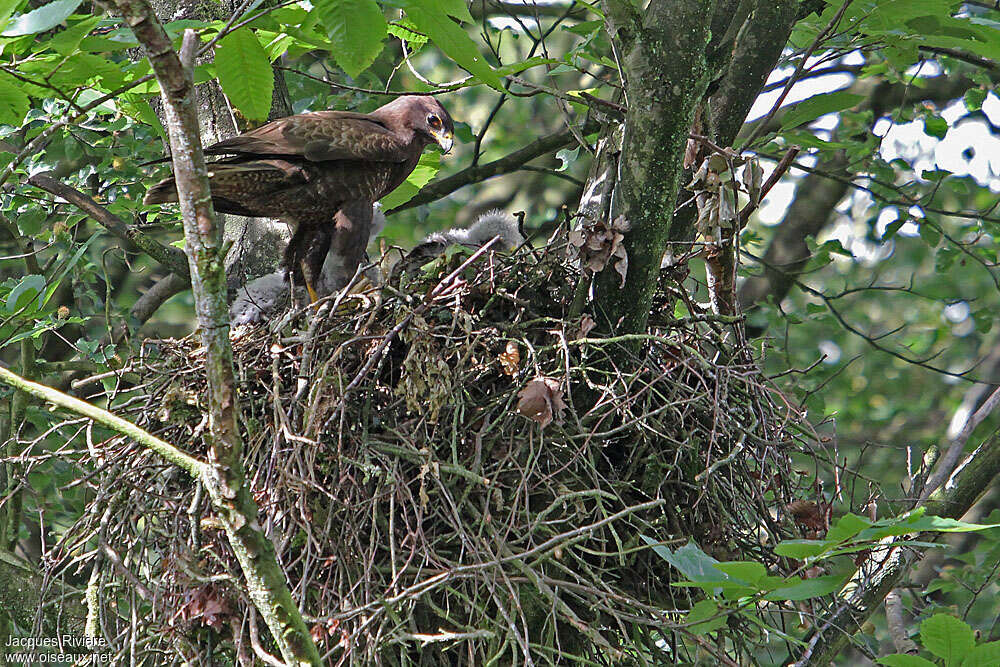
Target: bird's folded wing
318	137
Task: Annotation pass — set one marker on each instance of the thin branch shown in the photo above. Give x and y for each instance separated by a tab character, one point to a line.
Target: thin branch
372	91
480	10
970	58
797	73
223	478
505	165
853	70
772	180
193	466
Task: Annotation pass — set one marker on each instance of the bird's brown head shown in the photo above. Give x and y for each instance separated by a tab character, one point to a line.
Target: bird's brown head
425	116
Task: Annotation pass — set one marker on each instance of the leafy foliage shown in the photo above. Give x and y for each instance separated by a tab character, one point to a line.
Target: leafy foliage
952	642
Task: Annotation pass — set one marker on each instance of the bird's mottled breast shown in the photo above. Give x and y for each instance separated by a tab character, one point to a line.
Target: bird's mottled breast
346	180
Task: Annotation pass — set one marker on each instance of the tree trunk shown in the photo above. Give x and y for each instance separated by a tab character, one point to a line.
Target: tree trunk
663	57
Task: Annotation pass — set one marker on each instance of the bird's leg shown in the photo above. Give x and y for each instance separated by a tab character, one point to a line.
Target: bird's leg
308	280
311	260
293	263
351	230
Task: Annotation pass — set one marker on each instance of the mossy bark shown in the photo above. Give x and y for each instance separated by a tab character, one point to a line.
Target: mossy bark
663	56
668	55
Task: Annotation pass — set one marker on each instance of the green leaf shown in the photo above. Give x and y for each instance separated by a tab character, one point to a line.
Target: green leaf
67	41
918	524
7	8
983	319
803	589
818	105
458	9
25	292
903	660
974	98
984	655
357	30
425	171
893	227
704	609
944	258
929	233
245	73
847	527
13	102
749	572
44	18
935	126
947	637
452	39
726	589
692	562
889	15
801	549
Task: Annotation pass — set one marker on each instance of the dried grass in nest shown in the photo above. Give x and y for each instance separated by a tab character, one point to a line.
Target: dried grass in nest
419	516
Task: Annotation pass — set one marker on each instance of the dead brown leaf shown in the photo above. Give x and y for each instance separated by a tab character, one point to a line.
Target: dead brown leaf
510	359
541	401
205	604
596	244
813	518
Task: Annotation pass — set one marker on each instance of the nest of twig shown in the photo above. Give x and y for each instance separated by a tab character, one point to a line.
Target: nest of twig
451	473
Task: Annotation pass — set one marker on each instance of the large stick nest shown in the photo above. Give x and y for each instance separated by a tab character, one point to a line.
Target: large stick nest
422	513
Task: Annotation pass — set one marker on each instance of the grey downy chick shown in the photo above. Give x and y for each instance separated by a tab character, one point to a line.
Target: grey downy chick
494	223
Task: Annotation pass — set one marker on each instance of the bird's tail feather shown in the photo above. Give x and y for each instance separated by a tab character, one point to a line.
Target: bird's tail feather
161	193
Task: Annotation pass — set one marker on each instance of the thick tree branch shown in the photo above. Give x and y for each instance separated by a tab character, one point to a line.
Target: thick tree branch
666	73
224	478
755	54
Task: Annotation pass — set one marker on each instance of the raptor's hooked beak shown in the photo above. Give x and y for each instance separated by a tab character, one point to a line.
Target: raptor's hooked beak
445	140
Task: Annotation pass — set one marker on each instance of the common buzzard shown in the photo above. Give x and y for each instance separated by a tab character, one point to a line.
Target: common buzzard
320	173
